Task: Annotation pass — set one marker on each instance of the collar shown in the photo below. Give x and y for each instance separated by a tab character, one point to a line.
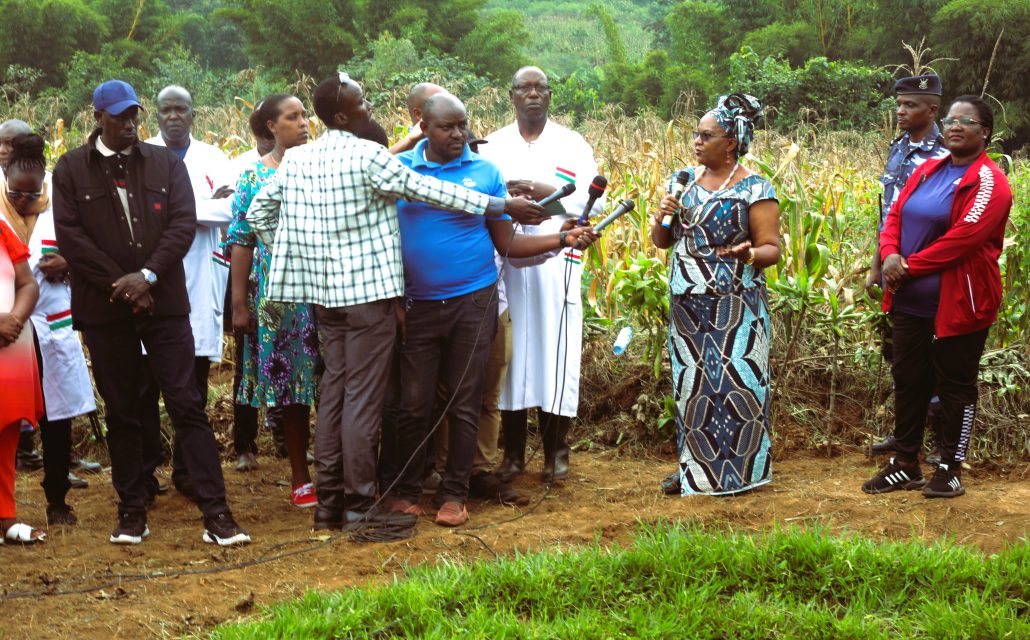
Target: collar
159	141
107	153
929	141
419	157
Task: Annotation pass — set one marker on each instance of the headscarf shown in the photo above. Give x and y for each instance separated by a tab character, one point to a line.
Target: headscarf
23	225
736	114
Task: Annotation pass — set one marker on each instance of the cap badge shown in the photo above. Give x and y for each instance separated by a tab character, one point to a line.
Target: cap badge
924	83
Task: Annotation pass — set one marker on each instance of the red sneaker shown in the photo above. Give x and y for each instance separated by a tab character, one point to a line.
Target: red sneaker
304	496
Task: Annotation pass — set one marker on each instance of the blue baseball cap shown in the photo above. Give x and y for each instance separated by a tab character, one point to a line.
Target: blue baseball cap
114	97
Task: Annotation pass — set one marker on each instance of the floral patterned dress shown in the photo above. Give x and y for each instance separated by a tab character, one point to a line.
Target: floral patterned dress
281	362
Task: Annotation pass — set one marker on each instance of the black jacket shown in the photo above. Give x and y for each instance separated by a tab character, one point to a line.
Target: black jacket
93	236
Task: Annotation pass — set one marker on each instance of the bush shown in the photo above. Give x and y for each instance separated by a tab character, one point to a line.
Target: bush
841	94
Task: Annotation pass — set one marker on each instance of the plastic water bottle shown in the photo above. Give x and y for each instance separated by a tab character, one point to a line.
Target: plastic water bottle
622	341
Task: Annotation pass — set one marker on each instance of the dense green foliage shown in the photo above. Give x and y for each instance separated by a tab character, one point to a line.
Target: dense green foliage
685	582
826	61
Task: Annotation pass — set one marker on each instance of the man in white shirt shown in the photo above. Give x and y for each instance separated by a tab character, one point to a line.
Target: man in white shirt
211	176
537	156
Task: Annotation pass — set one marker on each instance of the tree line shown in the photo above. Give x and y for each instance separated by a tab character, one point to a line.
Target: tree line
825	61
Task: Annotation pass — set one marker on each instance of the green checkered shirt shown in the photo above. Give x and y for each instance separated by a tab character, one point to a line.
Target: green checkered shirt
329	215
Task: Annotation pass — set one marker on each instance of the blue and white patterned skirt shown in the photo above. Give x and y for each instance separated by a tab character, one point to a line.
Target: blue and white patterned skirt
719	347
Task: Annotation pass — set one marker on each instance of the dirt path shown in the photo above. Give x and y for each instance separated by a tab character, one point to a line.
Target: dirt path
604	499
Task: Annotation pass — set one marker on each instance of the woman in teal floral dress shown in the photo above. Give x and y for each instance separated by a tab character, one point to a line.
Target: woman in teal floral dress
281	354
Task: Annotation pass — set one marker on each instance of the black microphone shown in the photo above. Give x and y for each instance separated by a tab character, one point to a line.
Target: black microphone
557	195
595	191
677	190
624	207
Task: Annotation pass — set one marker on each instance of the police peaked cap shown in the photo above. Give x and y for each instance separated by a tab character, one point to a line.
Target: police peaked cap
927	85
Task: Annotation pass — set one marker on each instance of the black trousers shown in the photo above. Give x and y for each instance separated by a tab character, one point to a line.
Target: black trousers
447	340
56	436
154	452
923	365
120	371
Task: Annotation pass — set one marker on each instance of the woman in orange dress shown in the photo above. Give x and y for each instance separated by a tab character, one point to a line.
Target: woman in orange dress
21	398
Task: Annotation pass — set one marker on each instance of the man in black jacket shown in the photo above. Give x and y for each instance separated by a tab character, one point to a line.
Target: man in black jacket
125	216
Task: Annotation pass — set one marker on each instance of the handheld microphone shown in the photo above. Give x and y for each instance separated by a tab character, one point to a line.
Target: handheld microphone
677	190
595	191
624	207
557	195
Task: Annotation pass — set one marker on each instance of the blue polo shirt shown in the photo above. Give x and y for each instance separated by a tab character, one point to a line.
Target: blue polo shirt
448	253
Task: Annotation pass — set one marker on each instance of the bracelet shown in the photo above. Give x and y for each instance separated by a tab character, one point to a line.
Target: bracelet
750	257
562	235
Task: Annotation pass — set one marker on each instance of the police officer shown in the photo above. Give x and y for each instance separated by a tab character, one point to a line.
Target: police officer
918	99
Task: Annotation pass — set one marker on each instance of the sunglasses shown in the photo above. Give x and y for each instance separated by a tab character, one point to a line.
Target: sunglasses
705	136
24	195
948	121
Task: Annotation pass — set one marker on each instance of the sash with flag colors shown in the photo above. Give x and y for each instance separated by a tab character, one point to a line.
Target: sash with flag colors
49	246
59	320
565	174
219	259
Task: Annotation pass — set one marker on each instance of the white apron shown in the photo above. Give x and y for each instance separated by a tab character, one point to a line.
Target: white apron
67	390
207	270
547	334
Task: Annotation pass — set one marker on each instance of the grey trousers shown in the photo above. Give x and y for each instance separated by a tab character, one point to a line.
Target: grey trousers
357	347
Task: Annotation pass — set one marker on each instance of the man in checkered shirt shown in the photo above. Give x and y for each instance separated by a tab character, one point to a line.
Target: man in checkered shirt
329	216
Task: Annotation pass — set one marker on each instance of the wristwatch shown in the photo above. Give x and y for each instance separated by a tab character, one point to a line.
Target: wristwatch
149	276
561	238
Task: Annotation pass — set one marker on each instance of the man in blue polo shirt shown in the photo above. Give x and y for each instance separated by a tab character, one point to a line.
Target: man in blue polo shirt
451	301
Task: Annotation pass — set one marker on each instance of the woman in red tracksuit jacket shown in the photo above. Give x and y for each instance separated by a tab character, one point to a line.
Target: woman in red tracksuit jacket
940	247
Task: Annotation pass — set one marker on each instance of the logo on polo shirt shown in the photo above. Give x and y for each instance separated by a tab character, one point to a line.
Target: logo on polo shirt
468	182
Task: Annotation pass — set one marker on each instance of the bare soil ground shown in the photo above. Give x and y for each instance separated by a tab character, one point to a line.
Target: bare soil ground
605	498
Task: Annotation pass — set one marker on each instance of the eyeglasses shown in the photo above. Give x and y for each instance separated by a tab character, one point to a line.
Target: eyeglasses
947	121
530	88
705	136
24	195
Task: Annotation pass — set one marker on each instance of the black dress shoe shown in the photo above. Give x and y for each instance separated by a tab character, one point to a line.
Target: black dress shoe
488	486
328	519
60	514
377	515
887	445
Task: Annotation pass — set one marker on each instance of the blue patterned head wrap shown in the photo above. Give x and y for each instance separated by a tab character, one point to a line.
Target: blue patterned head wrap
736	114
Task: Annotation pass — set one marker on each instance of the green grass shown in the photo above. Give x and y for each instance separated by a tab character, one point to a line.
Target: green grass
687	582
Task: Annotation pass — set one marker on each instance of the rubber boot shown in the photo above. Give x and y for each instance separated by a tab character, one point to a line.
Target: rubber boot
26	457
513	430
554	431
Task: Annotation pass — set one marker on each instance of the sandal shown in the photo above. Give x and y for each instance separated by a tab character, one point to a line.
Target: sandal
671	484
19	533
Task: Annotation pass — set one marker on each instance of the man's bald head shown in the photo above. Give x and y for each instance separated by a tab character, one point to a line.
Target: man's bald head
445	124
440	105
174	91
527	70
417	98
10	129
175	116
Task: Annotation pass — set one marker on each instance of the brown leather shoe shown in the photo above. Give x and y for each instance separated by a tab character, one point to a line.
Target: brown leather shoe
452	514
401	505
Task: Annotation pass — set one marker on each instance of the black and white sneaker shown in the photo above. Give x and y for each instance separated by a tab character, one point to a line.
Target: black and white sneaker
945	483
895	477
131	529
223	531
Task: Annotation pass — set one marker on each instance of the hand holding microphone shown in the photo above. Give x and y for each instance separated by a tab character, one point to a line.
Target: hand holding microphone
670	208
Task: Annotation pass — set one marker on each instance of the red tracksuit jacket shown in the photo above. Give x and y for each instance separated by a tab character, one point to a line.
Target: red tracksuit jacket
967	254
